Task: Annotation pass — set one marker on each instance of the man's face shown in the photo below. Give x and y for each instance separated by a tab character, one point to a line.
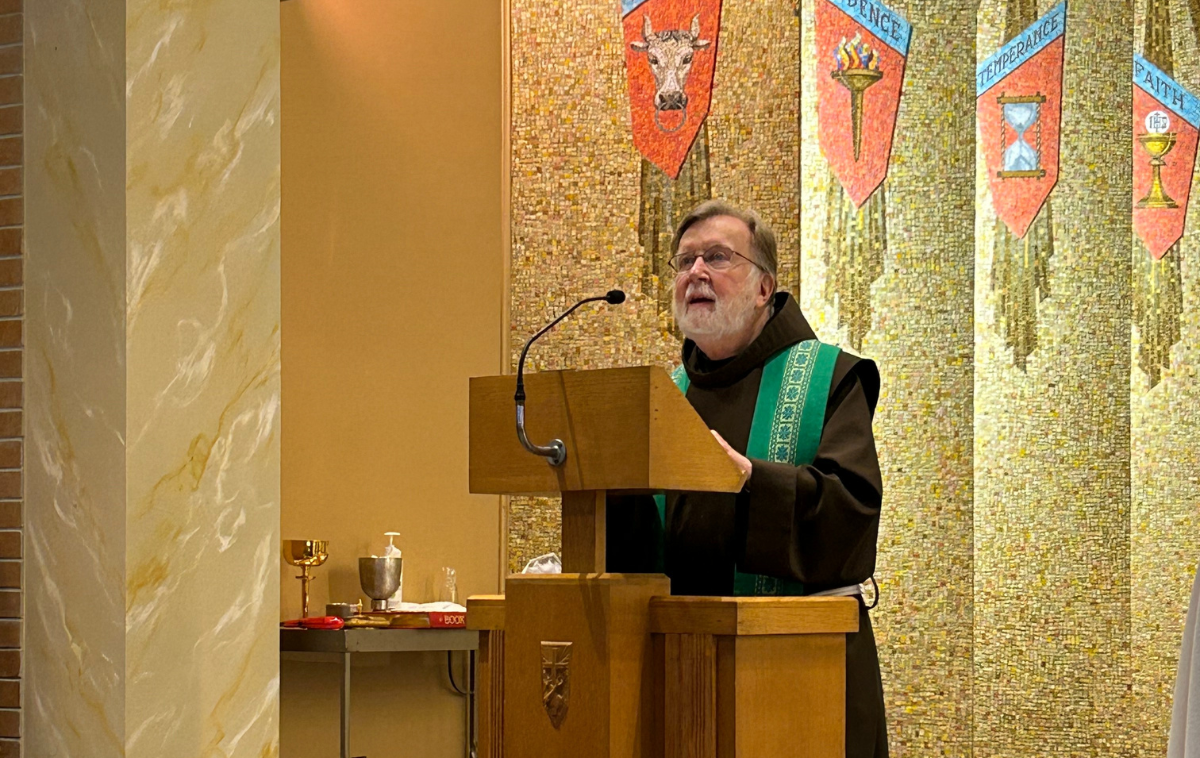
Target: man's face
718	304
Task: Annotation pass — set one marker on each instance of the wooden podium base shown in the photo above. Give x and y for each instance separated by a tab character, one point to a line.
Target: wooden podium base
586	664
649	675
578	666
753	677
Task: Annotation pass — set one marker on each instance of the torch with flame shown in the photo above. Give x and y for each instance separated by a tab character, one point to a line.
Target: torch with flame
857	69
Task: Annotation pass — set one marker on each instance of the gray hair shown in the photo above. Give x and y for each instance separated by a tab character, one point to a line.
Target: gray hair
762	239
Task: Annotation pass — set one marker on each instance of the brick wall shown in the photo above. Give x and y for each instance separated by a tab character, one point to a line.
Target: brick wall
12	308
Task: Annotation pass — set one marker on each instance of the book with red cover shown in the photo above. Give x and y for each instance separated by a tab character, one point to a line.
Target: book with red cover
409	620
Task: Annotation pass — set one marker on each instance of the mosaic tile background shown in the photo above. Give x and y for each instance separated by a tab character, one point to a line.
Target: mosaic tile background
1039	538
575	186
1052	663
923	343
1165	469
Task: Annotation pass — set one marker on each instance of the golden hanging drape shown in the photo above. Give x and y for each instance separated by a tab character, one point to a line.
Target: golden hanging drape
856	241
664	203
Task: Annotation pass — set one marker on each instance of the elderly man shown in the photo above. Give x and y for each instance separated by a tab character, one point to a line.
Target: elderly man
807	517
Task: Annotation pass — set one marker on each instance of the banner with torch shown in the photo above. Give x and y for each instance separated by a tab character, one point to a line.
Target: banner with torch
862	48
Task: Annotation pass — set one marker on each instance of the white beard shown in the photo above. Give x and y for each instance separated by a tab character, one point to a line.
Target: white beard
728	317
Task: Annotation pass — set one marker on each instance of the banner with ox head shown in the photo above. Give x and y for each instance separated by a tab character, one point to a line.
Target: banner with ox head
1165	121
670	59
861	47
1019	110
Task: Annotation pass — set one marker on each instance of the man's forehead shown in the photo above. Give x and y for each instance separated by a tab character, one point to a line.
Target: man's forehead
727	229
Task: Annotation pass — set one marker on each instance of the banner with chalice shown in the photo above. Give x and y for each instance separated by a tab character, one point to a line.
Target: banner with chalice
1166	118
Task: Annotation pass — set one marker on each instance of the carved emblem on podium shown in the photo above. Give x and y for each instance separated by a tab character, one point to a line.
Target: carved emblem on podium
556	680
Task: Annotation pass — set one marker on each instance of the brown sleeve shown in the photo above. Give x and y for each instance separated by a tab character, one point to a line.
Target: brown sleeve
818	524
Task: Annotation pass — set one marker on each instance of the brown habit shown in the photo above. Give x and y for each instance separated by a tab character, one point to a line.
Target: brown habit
815	524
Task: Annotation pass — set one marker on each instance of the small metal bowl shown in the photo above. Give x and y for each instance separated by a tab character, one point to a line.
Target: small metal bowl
343	610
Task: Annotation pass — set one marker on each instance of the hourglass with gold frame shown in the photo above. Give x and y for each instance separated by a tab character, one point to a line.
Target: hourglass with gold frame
1022	114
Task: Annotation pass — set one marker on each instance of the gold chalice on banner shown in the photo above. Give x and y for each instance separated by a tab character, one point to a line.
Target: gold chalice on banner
306	554
1158	144
857	69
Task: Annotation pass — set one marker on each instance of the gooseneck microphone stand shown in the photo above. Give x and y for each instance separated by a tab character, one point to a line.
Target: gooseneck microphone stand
555	452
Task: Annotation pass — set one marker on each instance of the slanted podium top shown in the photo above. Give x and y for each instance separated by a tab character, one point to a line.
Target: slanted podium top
624	429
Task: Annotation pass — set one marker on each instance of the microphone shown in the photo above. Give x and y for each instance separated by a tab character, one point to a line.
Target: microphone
556	452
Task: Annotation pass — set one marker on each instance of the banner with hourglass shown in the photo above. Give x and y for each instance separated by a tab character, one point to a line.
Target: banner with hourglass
1166	118
862	48
1019	109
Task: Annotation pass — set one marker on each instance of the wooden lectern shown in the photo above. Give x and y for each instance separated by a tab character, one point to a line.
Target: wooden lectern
588	664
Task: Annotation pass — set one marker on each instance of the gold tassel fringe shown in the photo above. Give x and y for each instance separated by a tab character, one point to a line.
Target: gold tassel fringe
856	244
1021	279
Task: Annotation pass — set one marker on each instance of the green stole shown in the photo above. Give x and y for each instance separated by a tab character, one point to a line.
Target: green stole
789	415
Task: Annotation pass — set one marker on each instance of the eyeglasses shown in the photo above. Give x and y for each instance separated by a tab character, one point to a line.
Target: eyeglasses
716	258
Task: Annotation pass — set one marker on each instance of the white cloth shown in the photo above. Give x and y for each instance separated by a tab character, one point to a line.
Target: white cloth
440	607
854	590
1185	716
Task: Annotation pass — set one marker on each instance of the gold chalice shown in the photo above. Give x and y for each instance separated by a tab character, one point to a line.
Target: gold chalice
1158	144
306	554
856	80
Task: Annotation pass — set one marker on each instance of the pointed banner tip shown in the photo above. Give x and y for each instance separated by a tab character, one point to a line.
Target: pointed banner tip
862	49
670	61
1019	111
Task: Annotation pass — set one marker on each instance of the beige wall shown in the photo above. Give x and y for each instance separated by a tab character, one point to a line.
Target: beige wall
393	283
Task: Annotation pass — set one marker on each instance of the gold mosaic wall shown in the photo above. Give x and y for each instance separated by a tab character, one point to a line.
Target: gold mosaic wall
1165	462
1040	533
575	187
1052	662
923	423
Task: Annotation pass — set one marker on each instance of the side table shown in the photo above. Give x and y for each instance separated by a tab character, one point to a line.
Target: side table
346	642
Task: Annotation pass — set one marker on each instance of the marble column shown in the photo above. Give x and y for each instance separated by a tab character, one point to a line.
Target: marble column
153	378
1052	445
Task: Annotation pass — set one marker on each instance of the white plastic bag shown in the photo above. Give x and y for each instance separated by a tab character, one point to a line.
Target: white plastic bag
544	564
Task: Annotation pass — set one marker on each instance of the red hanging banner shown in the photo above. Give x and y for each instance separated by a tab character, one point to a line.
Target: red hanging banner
1019	110
862	48
670	59
1165	120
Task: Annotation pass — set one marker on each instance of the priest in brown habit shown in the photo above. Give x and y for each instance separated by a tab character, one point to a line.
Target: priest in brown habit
795	416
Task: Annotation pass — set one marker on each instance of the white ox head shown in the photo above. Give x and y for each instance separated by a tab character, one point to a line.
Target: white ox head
669	54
